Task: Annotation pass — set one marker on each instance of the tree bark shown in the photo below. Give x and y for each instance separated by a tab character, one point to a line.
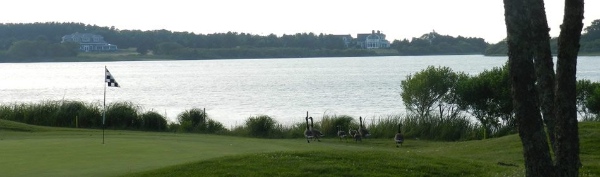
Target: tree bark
544	66
567	154
524	91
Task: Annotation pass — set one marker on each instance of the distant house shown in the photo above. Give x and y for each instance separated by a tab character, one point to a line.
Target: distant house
372	40
90	42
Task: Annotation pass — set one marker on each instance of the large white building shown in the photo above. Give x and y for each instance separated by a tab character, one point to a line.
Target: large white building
373	40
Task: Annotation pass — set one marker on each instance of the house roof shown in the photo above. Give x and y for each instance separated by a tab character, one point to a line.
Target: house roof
90	35
363	36
94	38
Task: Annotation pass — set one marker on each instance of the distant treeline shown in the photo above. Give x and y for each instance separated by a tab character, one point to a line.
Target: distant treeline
31	40
186	45
40	41
590	42
437	44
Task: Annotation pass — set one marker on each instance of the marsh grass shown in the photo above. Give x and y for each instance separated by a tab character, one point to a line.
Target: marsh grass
433	128
129	116
329	123
263	126
53	113
385	127
77	114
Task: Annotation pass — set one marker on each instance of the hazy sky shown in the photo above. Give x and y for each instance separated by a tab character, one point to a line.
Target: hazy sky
398	19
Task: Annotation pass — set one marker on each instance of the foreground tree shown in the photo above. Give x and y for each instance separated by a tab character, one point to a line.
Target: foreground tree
528	41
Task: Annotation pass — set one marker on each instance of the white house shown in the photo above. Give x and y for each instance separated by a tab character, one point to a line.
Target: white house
372	40
90	42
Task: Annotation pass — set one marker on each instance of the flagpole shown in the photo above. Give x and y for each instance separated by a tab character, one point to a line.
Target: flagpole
104	109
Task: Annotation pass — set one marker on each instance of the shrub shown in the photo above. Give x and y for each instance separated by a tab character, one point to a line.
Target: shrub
193	120
260	126
75	114
122	115
153	121
196	120
214	127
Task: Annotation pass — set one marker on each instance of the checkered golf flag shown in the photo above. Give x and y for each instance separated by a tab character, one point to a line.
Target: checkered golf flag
110	79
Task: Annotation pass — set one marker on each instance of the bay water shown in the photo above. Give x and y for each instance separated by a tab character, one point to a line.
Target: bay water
233	90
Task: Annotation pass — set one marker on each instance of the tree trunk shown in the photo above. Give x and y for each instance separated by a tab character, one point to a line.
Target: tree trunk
567	154
544	66
524	92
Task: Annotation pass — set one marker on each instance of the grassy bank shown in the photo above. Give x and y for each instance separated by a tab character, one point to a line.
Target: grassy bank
43	151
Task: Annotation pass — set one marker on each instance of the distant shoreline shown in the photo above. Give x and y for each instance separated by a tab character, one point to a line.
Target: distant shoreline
128	55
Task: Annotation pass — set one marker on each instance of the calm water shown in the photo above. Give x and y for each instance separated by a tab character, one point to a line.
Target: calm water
233	90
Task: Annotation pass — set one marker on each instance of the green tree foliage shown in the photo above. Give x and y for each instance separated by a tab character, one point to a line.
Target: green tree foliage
436	44
53	32
590	40
487	97
498	49
168	48
592	32
428	88
588	98
593	103
42	48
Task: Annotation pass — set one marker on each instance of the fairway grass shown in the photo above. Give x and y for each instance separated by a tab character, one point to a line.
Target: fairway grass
42	151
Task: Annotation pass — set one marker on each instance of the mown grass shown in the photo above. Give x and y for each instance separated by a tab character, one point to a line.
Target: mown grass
43	151
328	163
373	157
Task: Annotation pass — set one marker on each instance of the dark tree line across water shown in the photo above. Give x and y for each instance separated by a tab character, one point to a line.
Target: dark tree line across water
42	40
590	42
31	40
437	44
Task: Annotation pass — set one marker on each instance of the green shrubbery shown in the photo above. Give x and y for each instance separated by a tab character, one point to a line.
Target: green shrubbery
120	115
264	126
329	123
54	113
196	120
128	116
261	126
153	121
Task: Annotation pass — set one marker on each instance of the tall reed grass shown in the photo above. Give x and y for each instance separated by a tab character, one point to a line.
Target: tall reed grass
77	114
53	113
126	115
328	124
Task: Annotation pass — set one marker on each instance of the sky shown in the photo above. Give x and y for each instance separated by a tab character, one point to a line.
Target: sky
398	19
